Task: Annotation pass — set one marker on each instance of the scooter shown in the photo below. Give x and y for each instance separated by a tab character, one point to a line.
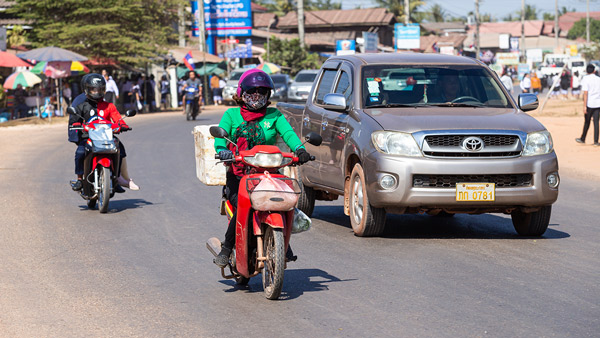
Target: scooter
102	160
264	215
192	107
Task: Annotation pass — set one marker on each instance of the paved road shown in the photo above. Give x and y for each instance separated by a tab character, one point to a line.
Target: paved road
142	270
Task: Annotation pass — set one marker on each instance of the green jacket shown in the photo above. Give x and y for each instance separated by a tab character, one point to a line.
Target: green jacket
273	124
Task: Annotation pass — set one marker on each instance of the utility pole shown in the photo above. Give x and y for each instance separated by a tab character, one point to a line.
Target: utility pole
406	12
301	22
587	22
181	28
522	47
555	26
477	48
202	43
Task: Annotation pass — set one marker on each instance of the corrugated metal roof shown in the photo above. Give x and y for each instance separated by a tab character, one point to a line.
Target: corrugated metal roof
532	27
262	19
567	20
367	16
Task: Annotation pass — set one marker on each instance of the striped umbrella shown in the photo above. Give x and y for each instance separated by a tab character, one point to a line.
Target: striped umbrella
269	68
49	68
24	78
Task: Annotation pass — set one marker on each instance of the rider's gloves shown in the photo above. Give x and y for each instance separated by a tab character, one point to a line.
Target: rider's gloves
225	155
303	155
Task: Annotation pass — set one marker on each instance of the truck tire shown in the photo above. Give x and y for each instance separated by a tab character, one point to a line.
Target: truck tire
365	219
533	223
306	200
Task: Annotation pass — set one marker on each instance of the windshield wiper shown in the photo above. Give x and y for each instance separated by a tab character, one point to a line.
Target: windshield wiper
391	105
456	104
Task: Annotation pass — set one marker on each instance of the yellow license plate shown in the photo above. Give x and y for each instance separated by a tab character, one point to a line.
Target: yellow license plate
475	192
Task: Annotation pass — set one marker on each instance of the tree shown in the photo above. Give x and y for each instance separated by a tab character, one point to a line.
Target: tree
133	31
396	7
531	13
591	52
279	7
320	5
578	30
437	13
16	37
289	53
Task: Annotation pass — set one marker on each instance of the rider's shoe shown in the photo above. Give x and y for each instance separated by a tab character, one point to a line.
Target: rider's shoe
289	255
77	185
119	189
223	257
132	185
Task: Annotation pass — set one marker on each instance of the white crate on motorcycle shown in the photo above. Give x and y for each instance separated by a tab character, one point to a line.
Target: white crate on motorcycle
208	170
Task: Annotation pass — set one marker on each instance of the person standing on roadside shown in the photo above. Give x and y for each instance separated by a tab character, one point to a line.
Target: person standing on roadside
112	90
536	83
565	83
525	83
590	84
507	81
214	86
576	90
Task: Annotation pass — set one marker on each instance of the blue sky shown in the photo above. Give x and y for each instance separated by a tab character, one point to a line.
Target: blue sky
498	8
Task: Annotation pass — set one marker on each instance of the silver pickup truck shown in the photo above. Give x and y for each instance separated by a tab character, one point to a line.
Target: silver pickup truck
415	133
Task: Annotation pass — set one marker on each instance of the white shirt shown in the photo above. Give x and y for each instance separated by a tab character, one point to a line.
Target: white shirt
591	84
111	86
526	83
507	82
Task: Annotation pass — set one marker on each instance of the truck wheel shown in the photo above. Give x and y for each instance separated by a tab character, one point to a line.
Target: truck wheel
365	219
533	223
306	200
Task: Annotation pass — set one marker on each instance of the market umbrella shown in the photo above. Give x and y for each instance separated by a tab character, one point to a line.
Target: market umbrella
54	69
269	68
24	78
10	60
51	54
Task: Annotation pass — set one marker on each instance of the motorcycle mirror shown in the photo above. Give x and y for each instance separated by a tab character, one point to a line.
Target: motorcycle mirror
71	111
313	138
218	132
130	113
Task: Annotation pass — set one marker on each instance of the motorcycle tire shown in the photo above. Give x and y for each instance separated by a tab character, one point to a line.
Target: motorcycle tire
188	112
104	194
274	251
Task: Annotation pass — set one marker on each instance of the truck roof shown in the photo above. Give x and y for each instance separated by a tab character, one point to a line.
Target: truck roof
406	58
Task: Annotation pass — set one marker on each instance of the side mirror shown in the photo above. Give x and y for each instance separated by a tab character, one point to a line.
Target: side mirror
528	102
71	111
218	132
130	113
335	102
313	138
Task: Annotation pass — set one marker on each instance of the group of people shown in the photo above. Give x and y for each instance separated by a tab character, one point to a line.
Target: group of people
563	82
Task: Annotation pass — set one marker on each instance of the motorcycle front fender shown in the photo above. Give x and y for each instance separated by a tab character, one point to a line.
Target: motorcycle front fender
103	161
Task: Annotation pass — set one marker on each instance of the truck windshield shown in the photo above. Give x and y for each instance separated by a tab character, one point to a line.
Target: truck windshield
455	86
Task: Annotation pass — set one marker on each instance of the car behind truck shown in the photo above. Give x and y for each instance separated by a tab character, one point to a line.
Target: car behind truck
413	133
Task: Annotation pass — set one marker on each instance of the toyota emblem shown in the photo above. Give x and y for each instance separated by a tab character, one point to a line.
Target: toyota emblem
473	143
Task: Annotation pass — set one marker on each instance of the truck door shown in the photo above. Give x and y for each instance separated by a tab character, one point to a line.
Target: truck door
313	119
333	131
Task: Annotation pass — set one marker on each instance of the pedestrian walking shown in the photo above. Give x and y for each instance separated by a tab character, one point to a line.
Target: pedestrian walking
525	83
555	85
576	83
112	90
67	93
214	86
536	83
590	85
507	81
165	95
565	83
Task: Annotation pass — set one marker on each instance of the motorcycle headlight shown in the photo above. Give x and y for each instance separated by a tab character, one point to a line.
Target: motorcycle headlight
267	160
538	143
395	143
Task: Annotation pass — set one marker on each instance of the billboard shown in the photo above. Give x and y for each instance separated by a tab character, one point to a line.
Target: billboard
370	42
345	47
407	36
228	17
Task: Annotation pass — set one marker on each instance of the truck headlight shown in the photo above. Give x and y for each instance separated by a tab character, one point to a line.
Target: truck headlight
538	143
395	143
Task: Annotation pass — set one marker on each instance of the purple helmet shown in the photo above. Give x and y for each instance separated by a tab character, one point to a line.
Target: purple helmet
254	78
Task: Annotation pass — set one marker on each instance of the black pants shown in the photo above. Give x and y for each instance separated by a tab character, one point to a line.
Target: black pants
591	113
232	185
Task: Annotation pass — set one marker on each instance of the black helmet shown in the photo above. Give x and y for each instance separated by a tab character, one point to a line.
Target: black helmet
94	86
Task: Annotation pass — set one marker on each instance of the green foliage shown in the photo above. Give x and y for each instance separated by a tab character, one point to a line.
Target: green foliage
288	53
578	30
133	31
282	7
319	5
591	52
396	7
437	13
16	36
531	13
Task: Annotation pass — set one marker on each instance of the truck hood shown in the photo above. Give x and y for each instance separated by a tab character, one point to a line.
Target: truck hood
411	120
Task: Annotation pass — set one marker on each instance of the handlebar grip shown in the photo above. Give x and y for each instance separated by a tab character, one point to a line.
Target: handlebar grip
312	158
217	157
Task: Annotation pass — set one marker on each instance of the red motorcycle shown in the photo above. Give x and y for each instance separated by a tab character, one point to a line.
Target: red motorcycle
102	159
265	212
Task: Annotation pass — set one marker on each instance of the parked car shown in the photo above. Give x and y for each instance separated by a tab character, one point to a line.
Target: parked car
300	87
282	82
231	85
423	133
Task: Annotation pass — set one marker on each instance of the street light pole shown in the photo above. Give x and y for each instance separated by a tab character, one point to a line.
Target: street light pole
477	41
406	12
522	31
555	26
202	43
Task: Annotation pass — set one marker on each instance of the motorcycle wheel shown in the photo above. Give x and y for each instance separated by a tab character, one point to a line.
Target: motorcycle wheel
104	194
188	112
91	204
272	274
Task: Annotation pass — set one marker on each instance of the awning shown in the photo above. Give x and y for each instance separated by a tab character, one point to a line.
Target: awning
210	69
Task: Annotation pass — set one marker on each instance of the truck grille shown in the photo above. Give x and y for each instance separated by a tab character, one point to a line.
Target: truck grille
453	146
449	181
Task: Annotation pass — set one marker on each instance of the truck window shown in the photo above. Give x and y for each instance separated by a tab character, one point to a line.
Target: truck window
325	85
343	86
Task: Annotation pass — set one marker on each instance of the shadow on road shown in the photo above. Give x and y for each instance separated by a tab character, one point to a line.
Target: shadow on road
296	282
116	206
485	226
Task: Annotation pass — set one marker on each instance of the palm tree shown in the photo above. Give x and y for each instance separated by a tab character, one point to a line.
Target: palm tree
437	13
396	7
